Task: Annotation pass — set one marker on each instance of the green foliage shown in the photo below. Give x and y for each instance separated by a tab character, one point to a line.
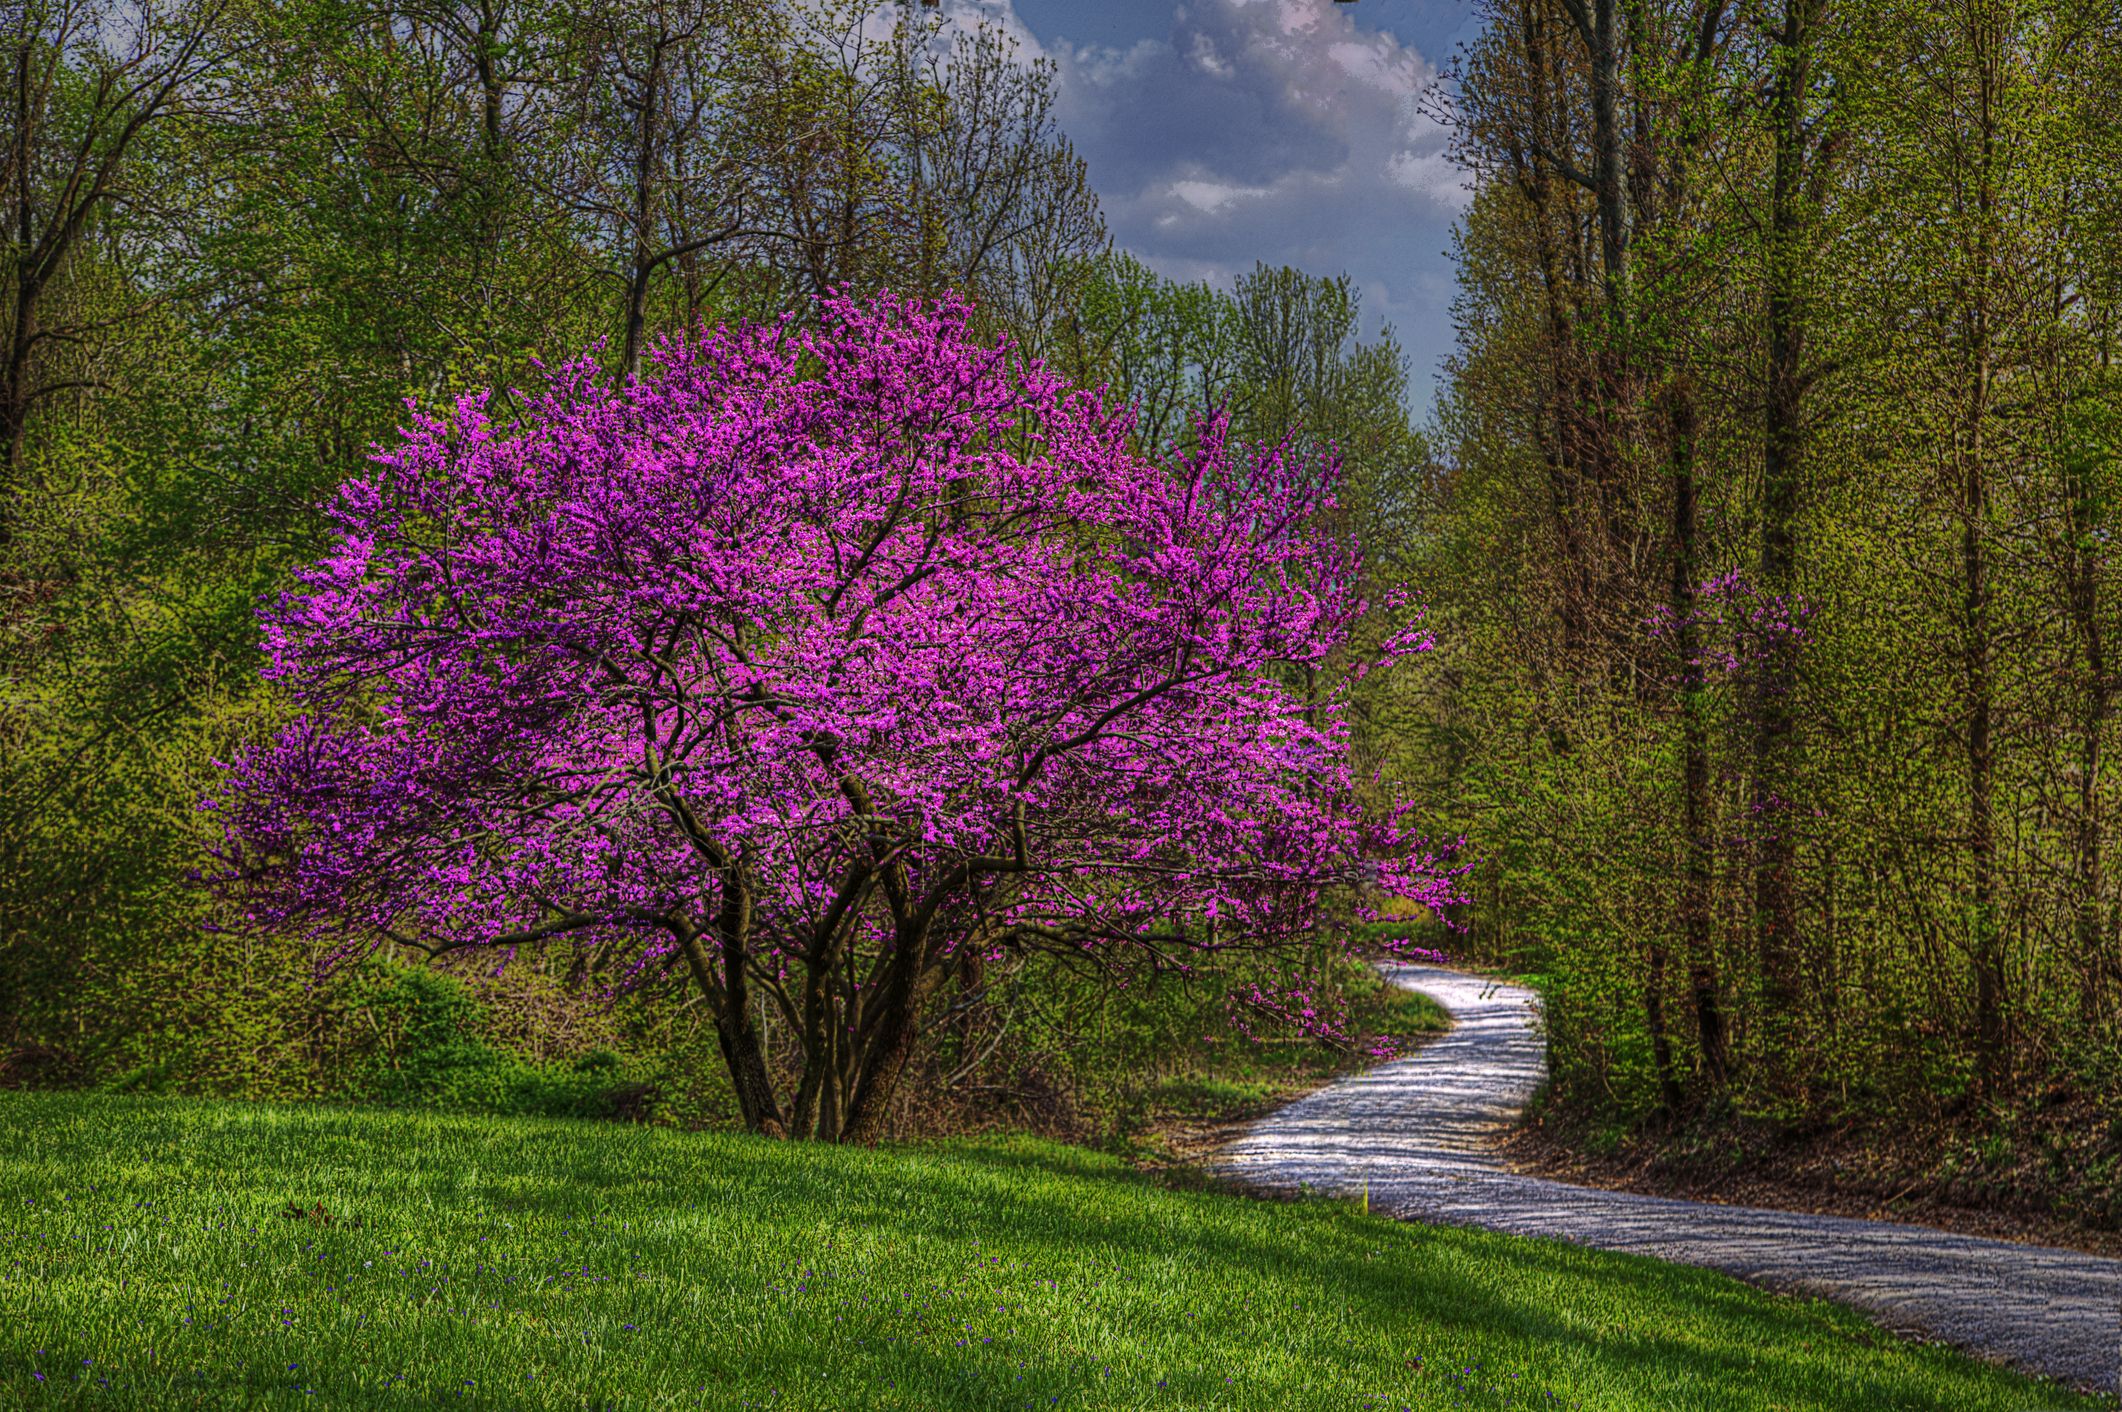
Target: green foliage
1047	1048
158	1261
427	1051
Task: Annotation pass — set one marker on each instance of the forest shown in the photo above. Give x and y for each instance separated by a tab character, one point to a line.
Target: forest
244	238
1763	519
1771	539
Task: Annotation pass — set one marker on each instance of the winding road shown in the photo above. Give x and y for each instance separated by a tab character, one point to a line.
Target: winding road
1416	1132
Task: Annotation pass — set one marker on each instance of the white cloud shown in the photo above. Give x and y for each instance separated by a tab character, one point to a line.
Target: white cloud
1102	66
1211	197
1201	49
1434	174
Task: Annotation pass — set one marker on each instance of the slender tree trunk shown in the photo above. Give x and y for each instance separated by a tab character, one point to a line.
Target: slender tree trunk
15	380
832	1103
15	397
1564	452
14	413
1775	896
1615	364
486	48
1985	944
1696	804
487	44
2095	706
1992	1063
641	265
821	1015
1661	1042
724	980
1608	177
2097	941
14	373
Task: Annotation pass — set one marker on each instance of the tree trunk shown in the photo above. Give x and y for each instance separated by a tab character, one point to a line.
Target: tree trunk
1695	802
1992	1062
1775	897
14	374
16	394
1984	944
888	1041
2097	949
1614	364
15	380
1661	1043
821	1016
1604	45
728	990
2090	931
641	263
745	1054
1563	454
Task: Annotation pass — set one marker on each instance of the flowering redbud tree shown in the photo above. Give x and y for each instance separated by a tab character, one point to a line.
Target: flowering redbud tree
819	663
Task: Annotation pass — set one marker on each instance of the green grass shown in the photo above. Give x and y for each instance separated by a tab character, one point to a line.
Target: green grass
1250	1080
1411	1013
1218	1098
526	1263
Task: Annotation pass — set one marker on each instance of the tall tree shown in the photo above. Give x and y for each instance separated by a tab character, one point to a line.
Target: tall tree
1797	132
85	82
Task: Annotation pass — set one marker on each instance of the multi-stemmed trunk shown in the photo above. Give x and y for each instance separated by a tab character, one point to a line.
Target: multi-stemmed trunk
853	1052
855	1019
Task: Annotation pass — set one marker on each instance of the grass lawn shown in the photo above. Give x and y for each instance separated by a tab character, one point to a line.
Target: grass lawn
1248	1080
146	1261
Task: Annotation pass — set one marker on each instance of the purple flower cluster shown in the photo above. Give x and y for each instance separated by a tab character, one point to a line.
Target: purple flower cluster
1735	625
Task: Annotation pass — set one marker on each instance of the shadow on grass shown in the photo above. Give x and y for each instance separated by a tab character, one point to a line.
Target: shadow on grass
1452	1280
1581	1322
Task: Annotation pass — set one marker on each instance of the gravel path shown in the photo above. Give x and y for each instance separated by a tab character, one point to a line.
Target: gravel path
1414	1130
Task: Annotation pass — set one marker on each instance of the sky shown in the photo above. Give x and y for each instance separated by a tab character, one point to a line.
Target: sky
1221	132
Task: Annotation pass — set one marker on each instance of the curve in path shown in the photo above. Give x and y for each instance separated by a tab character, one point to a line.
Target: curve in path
1415	1131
